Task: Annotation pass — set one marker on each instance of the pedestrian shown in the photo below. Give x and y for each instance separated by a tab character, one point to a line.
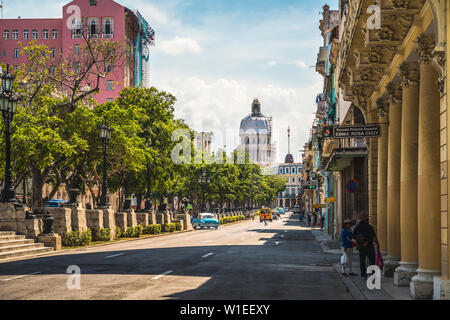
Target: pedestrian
313	220
347	247
365	237
322	221
265	219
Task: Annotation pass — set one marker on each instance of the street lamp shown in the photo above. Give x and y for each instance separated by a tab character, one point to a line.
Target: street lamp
204	181
8	107
148	201
105	134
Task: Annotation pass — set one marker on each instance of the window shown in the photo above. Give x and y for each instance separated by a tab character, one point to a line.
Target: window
35	34
6	34
76	67
4	53
54	34
109	68
15	34
109	85
76	49
93	27
26	34
76	29
16	53
108	28
53	52
45	34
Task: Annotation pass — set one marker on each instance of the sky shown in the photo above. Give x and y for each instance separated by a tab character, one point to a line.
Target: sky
216	56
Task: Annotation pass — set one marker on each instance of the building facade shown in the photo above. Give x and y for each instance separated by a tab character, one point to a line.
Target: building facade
103	19
395	75
256	137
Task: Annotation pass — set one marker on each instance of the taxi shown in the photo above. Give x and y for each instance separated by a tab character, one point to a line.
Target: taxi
265	211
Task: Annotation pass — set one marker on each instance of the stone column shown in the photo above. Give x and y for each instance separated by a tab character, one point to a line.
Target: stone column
408	175
429	206
382	177
373	174
393	191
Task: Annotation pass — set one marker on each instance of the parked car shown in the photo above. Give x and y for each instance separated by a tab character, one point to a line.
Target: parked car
205	220
297	209
280	210
54	203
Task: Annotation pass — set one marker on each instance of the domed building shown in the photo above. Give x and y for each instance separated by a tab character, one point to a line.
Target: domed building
256	137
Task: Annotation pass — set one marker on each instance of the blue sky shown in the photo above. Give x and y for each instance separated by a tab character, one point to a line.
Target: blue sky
217	55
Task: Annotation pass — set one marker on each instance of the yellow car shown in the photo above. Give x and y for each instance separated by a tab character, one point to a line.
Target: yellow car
265	211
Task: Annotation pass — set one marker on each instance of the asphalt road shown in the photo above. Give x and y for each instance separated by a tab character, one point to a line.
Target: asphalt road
247	260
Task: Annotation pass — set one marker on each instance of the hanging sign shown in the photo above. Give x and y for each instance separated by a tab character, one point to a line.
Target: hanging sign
362	131
331	199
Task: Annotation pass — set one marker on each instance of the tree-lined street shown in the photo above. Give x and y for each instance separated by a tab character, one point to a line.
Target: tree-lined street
241	261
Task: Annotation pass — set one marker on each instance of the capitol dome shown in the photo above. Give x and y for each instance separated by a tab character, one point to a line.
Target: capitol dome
256	122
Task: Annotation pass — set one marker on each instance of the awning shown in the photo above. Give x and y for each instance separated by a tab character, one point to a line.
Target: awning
342	158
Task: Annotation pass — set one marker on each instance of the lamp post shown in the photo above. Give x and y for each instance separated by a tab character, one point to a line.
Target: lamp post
8	107
105	134
148	200
204	181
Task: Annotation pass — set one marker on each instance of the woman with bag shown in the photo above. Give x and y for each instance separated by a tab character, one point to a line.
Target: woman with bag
347	248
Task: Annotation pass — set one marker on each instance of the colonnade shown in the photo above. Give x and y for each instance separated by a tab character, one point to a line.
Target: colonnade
408	193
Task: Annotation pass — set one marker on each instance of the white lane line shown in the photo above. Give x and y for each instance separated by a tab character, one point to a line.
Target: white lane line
162	275
277	243
114	255
208	254
26	275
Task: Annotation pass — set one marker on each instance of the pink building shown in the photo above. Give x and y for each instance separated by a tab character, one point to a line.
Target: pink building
105	19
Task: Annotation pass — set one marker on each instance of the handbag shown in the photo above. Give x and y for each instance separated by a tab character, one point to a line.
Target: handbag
344	259
380	262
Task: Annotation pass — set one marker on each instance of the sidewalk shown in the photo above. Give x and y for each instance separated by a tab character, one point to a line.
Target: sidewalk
356	286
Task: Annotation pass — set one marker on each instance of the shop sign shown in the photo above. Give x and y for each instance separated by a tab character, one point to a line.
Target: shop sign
363	131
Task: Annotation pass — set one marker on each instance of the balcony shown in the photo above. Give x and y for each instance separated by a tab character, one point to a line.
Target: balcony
108	35
329	145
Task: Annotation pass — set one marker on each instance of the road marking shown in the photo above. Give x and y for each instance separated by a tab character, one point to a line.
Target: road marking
162	275
277	243
282	235
114	255
26	275
208	254
207	241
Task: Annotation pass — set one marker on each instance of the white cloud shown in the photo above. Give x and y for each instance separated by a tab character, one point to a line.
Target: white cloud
220	105
179	46
301	64
272	63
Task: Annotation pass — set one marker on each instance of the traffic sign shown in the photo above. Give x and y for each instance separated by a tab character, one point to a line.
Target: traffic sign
331	199
353	186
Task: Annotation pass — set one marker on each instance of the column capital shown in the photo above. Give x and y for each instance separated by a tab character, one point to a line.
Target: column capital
410	74
425	46
382	107
394	93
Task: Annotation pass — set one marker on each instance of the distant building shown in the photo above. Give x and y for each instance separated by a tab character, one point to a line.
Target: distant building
256	137
203	141
105	19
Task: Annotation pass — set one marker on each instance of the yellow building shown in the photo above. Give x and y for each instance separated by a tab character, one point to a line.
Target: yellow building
395	73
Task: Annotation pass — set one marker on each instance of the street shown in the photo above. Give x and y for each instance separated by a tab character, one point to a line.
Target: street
241	261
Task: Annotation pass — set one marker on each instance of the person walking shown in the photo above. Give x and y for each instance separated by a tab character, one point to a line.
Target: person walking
365	237
347	247
322	221
265	219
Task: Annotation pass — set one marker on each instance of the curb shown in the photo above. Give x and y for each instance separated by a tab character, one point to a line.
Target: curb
86	247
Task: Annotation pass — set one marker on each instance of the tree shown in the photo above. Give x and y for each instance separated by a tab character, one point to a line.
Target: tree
53	115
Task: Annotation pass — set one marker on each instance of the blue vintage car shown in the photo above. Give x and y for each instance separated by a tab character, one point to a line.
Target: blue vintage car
54	203
205	220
